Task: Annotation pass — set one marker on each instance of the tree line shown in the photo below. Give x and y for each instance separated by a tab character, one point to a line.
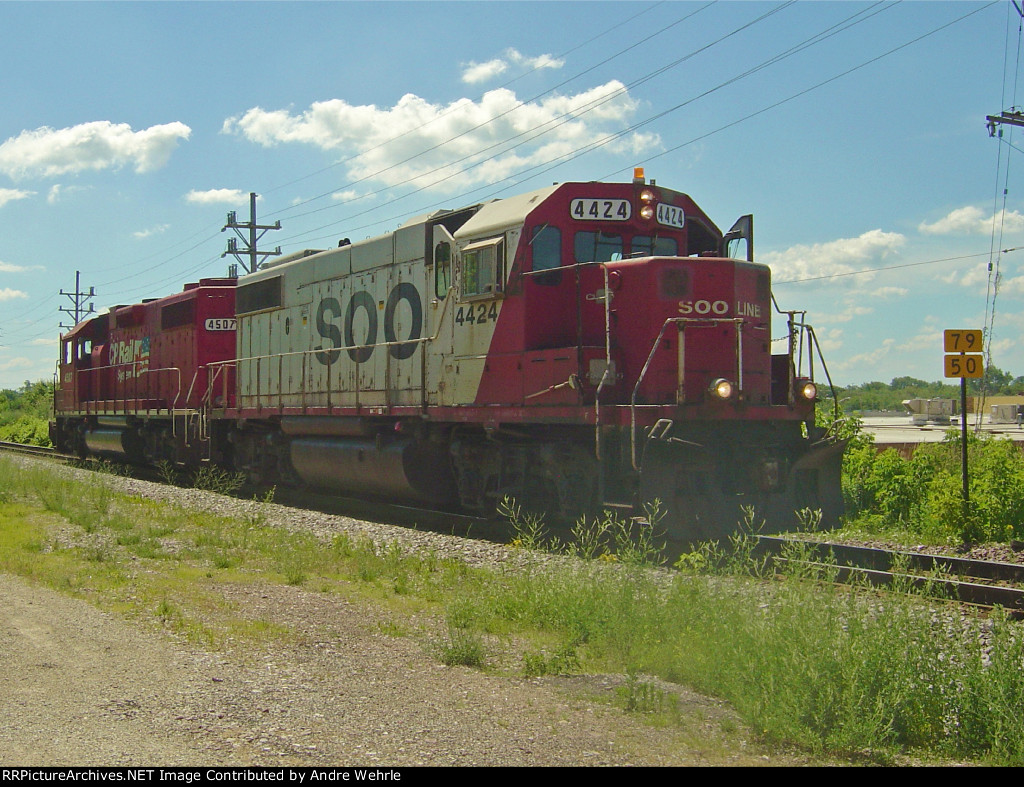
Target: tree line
25	413
889	396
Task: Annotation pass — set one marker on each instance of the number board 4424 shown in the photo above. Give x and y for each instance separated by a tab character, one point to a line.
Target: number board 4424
601	209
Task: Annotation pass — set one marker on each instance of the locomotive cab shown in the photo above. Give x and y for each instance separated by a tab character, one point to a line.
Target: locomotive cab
622	303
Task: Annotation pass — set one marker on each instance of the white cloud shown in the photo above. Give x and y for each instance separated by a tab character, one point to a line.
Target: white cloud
481	72
157	230
345	196
542	61
868	359
1012	286
428	145
1001	345
7	294
830	340
846	315
1014	318
976	274
98	145
58	192
977	278
973	221
217	196
10	195
474	73
17	363
821	260
926	342
7	267
888	292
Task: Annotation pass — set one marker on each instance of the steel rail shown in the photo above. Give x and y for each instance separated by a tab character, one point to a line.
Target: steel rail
953	578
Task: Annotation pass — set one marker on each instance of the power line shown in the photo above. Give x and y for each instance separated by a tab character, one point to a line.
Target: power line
613	28
577	112
892	267
605	139
599	143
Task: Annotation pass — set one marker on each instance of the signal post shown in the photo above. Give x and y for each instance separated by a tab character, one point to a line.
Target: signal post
967	361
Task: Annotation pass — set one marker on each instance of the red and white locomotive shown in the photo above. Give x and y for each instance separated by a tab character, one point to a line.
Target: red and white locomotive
580	345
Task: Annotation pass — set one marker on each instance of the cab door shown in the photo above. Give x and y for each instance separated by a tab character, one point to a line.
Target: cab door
440	300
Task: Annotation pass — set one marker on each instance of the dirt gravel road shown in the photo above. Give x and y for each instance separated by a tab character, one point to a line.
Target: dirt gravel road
85	687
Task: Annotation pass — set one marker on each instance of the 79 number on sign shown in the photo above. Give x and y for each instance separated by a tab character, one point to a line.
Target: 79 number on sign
955	341
970	362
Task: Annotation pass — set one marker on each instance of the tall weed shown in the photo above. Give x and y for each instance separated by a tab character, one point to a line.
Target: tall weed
922	494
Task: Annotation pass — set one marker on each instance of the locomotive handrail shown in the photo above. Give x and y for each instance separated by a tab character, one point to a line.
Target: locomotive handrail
137	374
737	321
821	357
199	410
801	327
604	379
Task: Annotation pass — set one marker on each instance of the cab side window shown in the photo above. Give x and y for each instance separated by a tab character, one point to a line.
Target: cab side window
482	270
546	245
442	269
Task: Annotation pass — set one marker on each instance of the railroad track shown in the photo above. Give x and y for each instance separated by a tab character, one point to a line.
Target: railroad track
385	512
32	450
981	583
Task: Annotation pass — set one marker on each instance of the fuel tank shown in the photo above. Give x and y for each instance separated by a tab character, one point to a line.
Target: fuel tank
399	469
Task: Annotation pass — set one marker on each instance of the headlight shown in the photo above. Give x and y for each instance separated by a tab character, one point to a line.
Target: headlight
809	391
722	388
647	212
647	195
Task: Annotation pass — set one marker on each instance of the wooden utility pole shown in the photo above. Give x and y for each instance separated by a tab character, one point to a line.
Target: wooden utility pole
255	256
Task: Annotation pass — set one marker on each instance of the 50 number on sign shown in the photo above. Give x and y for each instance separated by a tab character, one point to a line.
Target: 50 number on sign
964	365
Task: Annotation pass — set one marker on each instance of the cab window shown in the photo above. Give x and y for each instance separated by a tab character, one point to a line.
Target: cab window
482	272
546	243
597	247
653	246
442	269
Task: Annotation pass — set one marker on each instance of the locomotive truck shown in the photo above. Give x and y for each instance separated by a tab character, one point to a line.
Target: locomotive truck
577	346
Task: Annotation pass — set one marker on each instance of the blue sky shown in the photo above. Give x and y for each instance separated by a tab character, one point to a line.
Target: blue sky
854	132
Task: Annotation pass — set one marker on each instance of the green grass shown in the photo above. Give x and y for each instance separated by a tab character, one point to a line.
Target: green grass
835	672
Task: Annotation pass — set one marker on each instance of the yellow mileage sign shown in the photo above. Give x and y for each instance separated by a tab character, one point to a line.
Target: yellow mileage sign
970	362
961	342
964	365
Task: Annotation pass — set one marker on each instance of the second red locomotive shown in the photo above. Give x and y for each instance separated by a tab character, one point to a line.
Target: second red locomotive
581	345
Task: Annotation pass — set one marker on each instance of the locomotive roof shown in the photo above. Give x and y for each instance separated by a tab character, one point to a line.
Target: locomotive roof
295	255
423	218
500	214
